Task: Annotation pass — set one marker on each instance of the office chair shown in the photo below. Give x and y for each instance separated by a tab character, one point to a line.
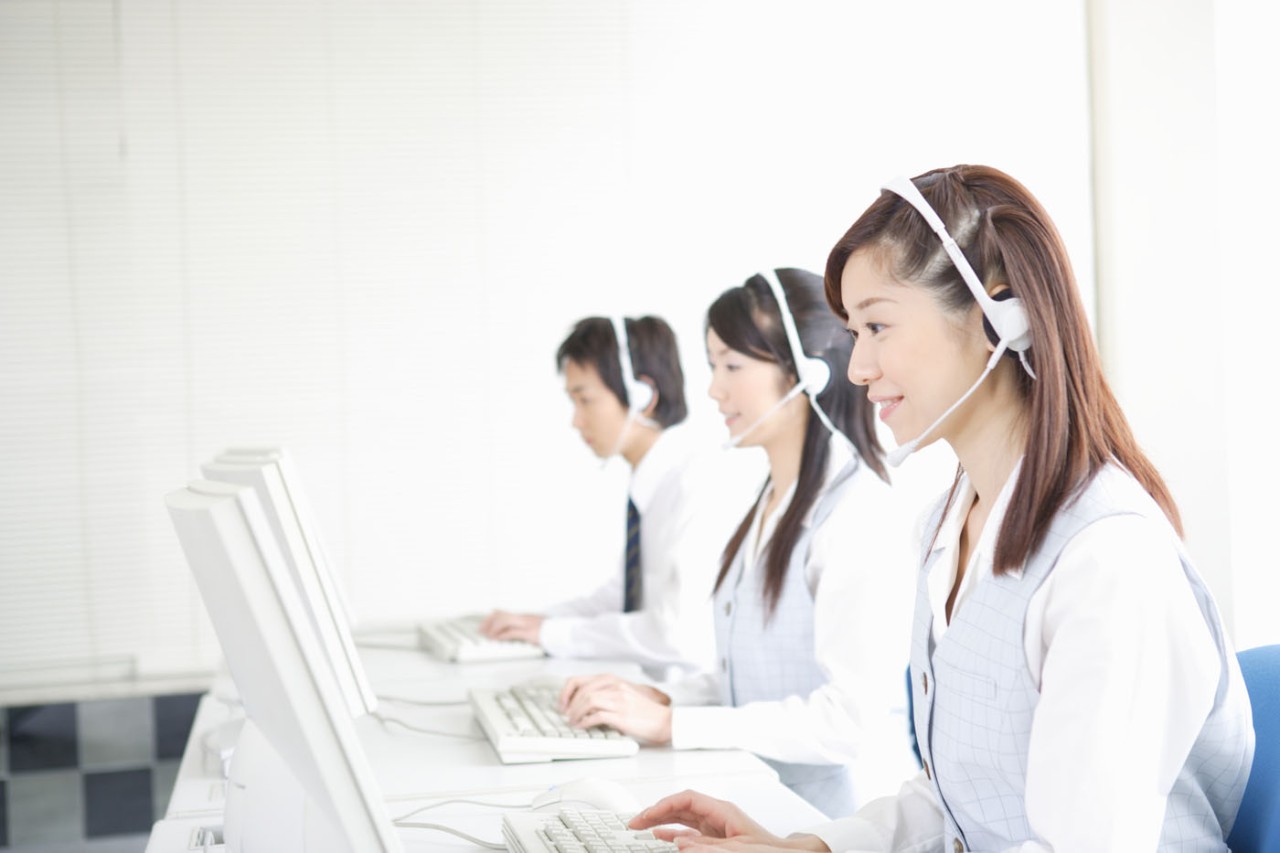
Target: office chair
1257	827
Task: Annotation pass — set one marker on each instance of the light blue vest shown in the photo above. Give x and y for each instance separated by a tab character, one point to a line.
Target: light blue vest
975	698
766	661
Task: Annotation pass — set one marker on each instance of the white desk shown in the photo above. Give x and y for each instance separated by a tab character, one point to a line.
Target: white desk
775	806
416	769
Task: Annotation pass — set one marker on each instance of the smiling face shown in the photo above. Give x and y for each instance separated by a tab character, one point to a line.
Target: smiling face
598	415
746	388
914	358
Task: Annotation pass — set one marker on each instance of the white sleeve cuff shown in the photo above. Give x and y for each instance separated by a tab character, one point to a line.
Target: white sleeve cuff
556	635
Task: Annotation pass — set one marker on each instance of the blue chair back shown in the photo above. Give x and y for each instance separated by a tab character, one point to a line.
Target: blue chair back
1257	827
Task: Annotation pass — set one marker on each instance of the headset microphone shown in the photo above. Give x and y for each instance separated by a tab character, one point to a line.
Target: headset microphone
1004	313
896	456
790	395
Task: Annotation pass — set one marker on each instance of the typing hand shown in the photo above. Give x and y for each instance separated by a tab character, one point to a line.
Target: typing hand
716	824
605	700
501	625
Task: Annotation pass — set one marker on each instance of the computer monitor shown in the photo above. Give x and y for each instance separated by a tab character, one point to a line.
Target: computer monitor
308	752
271	474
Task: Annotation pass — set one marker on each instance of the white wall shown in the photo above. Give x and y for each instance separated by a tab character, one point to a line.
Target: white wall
360	230
1186	129
1247	284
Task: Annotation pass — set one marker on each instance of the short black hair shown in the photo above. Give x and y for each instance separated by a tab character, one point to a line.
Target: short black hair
654	354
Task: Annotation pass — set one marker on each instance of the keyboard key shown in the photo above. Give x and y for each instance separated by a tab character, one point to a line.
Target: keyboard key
575	831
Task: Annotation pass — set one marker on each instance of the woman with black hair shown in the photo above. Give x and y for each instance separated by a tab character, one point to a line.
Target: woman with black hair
812	601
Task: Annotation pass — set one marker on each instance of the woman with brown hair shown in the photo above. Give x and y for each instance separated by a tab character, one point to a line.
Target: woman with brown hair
1074	688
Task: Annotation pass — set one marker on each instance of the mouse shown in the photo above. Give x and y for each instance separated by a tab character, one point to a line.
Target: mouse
591	793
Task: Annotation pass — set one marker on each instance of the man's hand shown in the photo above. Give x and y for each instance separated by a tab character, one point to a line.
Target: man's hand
501	625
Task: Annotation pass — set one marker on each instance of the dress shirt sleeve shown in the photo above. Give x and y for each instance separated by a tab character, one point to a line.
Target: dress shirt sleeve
603	599
702	688
862	573
909	822
683	531
1128	671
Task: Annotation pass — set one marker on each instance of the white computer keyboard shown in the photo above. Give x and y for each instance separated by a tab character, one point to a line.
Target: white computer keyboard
576	831
459	640
524	726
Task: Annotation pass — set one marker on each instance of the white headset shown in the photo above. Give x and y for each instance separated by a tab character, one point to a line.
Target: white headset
812	373
639	393
1007	317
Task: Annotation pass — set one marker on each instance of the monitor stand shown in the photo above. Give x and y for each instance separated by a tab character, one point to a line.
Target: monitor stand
267	807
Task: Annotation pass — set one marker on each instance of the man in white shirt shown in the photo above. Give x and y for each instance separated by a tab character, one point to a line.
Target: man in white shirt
656	609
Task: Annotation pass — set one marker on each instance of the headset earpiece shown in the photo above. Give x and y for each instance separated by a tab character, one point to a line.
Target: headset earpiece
639	396
812	374
1005	316
815	374
1007	311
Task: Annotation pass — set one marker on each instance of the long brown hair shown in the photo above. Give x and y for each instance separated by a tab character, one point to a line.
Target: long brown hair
1074	424
747	319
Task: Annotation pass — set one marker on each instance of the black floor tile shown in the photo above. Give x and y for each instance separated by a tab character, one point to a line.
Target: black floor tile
174	715
117	802
42	737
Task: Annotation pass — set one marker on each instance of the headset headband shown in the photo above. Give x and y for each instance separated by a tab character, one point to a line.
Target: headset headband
1008	317
639	394
813	373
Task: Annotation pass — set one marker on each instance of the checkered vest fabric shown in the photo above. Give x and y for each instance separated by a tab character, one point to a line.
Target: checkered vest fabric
974	717
768	659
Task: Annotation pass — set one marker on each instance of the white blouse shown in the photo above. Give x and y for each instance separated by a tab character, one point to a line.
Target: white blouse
860	569
1127	670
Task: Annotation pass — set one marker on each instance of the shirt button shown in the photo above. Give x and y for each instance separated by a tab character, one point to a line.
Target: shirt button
724	664
927	775
926	684
728	608
957	845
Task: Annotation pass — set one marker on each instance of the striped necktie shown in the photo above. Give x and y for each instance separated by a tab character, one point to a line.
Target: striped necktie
633	581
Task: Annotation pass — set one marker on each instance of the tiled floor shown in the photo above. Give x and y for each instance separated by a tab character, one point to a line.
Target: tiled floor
118	844
91	776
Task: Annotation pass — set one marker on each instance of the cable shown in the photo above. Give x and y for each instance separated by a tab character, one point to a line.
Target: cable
429	702
468	802
486	844
399	647
389	720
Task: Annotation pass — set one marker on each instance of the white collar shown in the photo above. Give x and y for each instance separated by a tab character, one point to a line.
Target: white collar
981	557
838	456
670	450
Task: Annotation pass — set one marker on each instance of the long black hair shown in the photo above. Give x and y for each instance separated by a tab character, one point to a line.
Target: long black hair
747	319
